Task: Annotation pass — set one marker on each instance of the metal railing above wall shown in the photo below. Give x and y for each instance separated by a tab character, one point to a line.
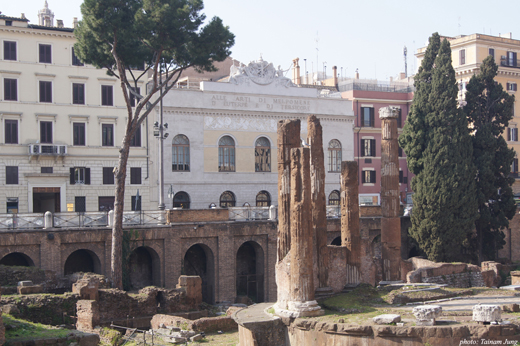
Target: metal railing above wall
248	213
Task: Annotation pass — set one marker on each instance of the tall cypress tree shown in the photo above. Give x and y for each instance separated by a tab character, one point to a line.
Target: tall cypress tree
412	139
445	204
490	108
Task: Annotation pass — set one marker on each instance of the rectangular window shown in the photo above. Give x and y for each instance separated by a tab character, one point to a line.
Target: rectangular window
400	152
107	96
367	116
78	130
108	176
512	134
45	91
401	177
78	93
368	147
80	204
132	97
12	205
511	86
136	139
136	203
135	175
9	50
462	57
106	203
400	119
8	23
514	166
511	59
45	53
46	131
10	89
11	131
75	60
46	169
11	175
107	134
79	175
492	52
368	177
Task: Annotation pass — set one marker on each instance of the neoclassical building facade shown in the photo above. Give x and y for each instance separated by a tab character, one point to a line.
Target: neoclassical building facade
222	144
61	123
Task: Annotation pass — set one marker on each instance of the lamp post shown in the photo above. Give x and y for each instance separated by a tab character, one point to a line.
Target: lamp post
158	132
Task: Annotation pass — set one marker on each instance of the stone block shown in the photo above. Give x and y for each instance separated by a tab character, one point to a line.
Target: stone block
25	283
486	313
193	287
515	277
197	337
29	289
511	307
87	312
426	314
86	289
387	319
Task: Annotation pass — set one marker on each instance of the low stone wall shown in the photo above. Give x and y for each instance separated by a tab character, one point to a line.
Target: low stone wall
11	275
77	338
2	328
197	215
205	324
453	274
461	280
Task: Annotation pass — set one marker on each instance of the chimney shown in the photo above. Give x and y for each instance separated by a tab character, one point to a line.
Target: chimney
357	74
75	22
59	23
23	16
335	75
402	76
296	72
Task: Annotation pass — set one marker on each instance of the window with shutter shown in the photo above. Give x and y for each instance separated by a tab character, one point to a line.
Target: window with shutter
135	175
492	52
107	135
9	50
45	131
107	96
135	141
78	130
11	131
45	91
10	89
75	60
11	175
45	53
108	175
78	94
462	57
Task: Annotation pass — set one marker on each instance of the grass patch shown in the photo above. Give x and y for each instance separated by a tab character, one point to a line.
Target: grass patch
361	300
17	329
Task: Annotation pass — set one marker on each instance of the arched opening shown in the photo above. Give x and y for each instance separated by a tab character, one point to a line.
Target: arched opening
198	260
263	199
17	259
334	197
336	241
227	199
82	261
377	247
262	155
143	269
334	156
226	154
250	271
181	200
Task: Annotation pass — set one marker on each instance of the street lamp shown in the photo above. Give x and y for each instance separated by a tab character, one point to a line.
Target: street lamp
158	132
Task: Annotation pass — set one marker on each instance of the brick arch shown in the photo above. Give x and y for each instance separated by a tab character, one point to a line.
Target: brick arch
31	251
82	260
144	267
199	259
250	270
17	259
97	249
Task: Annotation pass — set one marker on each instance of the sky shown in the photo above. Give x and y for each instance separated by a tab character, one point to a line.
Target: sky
368	36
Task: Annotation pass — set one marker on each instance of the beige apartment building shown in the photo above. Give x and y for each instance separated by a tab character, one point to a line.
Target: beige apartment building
61	124
468	52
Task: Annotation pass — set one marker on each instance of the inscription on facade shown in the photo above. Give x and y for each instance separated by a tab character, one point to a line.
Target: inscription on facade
261	103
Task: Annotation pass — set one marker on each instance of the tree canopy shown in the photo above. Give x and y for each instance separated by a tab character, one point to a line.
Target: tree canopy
445	207
146	39
489	109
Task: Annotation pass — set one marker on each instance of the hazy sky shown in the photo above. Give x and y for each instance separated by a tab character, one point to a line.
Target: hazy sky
367	35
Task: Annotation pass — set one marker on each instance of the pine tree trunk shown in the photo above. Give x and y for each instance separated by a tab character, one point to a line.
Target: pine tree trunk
117	228
479	244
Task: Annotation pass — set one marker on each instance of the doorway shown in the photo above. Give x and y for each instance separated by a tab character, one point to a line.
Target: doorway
46	199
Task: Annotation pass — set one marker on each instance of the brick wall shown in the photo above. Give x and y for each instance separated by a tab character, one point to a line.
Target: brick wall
197	215
2	328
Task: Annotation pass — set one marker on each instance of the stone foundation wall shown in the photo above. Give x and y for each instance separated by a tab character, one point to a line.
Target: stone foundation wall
197	215
462	280
2	328
205	324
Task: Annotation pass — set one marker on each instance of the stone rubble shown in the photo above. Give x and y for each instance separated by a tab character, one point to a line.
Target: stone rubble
426	314
487	313
387	319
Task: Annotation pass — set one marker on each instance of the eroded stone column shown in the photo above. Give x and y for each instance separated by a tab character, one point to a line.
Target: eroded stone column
391	222
318	201
288	138
350	236
350	233
301	289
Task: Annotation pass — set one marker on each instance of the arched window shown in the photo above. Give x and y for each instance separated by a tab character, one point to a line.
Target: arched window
334	197
263	199
262	155
226	154
180	153
227	199
334	156
181	200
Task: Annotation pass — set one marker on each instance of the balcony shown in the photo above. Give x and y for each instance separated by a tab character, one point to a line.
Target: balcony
44	149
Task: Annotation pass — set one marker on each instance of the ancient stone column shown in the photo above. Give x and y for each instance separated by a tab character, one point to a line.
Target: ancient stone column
318	200
391	222
288	138
350	234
